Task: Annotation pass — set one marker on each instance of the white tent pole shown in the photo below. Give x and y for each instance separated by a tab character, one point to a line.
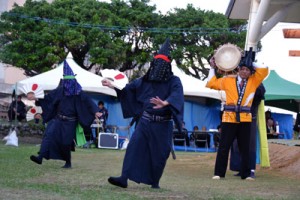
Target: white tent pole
258	10
16	97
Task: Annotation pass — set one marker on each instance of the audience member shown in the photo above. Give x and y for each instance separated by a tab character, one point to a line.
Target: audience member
37	118
297	127
100	123
17	108
202	138
192	136
104	114
270	125
181	138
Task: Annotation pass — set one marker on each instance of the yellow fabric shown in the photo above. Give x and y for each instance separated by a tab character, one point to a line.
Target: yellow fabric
264	149
228	84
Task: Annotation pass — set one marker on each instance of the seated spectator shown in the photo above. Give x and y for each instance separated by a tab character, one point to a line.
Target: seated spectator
99	125
181	138
297	127
37	118
270	125
192	136
104	114
202	138
17	109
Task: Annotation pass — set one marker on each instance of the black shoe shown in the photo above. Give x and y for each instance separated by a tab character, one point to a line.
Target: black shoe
118	181
238	174
155	186
67	166
36	159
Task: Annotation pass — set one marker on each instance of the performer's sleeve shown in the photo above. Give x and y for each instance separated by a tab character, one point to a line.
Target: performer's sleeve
128	99
176	101
214	82
261	72
176	98
86	109
49	104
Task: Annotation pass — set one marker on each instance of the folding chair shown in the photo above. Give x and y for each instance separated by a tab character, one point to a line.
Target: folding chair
202	137
179	138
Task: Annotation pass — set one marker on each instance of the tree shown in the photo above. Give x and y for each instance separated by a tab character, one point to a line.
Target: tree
118	35
38	34
198	34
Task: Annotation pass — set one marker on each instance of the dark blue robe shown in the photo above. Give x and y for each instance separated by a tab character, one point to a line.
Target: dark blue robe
60	134
151	143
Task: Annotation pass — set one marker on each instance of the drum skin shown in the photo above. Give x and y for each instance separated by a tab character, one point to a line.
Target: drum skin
227	57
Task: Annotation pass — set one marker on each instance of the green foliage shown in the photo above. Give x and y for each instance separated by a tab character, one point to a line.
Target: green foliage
118	35
206	32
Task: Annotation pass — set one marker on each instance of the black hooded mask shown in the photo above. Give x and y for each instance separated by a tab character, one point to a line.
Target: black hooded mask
160	68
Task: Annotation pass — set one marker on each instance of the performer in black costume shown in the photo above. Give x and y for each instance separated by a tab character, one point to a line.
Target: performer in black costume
63	108
158	98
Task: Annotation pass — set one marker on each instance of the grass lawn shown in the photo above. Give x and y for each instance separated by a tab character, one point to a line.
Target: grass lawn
187	177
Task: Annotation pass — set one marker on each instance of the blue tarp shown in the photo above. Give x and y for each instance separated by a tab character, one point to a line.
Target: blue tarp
286	124
195	114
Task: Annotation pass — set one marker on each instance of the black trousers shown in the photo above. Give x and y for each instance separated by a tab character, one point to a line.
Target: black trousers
230	131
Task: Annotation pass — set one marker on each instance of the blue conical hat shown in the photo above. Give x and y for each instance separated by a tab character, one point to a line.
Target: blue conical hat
67	70
70	84
165	48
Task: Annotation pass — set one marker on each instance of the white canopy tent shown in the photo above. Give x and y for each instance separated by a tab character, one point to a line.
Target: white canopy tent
49	80
91	82
195	87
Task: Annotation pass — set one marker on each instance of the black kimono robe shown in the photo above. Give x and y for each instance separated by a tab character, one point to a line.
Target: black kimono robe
60	133
151	143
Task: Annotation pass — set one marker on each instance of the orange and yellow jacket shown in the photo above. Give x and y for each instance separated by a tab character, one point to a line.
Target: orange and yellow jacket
229	85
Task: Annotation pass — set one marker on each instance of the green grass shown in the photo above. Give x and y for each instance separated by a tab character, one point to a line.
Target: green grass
188	177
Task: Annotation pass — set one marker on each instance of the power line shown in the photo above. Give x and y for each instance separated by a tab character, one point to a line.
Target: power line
198	30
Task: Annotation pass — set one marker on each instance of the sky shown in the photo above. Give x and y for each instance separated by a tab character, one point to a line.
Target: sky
215	5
